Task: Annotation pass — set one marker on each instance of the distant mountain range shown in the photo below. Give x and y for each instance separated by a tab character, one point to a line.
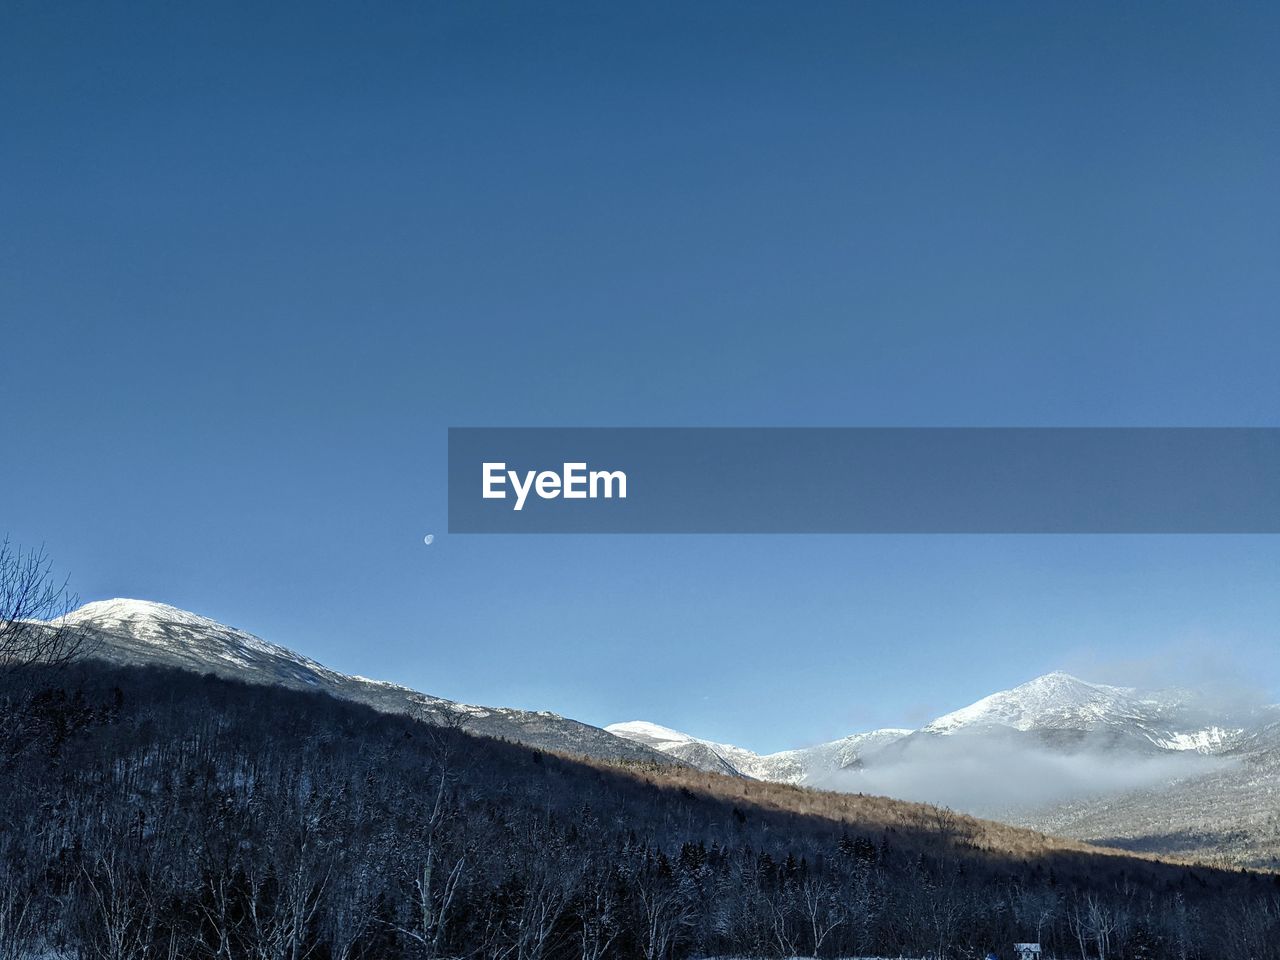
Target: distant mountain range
1056	710
1166	771
1161	771
808	766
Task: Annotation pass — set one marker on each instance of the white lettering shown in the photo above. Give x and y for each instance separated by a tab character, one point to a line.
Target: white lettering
521	491
609	477
548	484
575	473
573	482
493	475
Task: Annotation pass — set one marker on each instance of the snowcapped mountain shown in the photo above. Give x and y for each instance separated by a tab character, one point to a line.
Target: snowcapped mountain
1056	711
1017	754
1056	700
710	755
1166	771
704	754
139	631
142	633
805	765
1166	719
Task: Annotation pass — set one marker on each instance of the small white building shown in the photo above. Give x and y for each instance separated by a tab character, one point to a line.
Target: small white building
1027	951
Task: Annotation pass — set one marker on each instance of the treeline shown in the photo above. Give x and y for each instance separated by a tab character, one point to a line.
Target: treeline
158	814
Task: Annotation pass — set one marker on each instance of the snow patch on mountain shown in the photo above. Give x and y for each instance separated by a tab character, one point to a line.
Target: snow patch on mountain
1202	741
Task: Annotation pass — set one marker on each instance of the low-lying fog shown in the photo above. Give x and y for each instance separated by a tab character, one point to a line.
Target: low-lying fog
989	778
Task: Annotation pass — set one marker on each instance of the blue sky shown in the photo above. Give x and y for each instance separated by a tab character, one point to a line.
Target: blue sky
256	259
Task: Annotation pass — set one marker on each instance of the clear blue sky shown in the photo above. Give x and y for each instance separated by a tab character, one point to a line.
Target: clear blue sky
256	258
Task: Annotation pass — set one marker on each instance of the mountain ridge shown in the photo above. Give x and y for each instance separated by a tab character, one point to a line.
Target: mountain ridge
1165	771
1055	701
1133	768
141	632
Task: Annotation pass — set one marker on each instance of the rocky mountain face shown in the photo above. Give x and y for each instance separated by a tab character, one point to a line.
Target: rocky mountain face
138	632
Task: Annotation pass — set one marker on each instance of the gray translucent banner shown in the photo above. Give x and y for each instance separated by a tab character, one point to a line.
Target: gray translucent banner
864	480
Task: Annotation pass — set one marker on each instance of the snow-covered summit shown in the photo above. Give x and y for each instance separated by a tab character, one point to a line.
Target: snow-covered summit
643	730
1175	720
1056	700
190	638
120	610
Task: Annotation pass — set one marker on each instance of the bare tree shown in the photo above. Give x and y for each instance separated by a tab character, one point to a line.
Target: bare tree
823	910
944	908
783	919
34	632
600	916
665	911
123	909
218	912
1035	908
17	919
33	607
438	876
1077	920
283	903
1102	920
1093	920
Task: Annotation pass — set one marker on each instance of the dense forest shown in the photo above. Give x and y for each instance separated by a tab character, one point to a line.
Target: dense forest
147	813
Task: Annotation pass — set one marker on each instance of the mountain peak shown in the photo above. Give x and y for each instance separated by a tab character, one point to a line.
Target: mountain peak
1057	676
148	619
146	624
1055	699
1060	679
648	733
126	608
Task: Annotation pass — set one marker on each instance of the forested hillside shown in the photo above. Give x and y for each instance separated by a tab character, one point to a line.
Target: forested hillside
158	813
